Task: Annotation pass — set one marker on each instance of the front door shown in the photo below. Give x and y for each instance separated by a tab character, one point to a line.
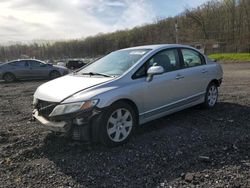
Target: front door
165	91
38	69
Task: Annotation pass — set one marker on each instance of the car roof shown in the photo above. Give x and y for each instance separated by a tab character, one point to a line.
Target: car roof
157	46
19	60
26	60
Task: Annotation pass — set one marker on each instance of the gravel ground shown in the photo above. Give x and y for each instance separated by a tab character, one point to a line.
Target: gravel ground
192	148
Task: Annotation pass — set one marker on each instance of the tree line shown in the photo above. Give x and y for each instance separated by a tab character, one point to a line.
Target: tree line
215	26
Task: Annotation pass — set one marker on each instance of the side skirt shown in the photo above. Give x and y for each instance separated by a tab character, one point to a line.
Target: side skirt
171	108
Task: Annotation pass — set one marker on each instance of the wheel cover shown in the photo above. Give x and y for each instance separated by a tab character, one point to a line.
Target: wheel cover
212	95
119	125
8	77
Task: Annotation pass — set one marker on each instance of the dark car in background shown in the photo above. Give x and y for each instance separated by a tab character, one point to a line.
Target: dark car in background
30	69
75	64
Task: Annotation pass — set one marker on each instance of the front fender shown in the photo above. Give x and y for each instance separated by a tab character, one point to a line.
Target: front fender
110	97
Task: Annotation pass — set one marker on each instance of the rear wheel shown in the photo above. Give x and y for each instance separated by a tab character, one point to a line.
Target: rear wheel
9	77
54	74
211	95
116	124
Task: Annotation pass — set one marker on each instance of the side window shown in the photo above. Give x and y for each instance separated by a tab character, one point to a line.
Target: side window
35	64
19	64
168	59
13	63
192	58
141	72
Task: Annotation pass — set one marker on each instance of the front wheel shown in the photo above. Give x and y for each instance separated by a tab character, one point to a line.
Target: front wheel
116	124
54	74
211	96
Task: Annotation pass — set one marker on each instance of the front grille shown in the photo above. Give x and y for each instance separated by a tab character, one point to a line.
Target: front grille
45	107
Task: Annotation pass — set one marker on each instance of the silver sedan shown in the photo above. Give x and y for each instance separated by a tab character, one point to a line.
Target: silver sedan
29	69
104	101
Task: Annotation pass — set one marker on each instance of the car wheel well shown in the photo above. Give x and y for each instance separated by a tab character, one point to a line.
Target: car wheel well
96	122
215	81
54	71
133	105
9	73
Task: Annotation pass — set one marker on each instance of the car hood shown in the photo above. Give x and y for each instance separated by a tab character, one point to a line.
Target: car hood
59	89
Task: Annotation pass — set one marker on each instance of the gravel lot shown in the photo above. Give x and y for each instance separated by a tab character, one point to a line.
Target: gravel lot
192	148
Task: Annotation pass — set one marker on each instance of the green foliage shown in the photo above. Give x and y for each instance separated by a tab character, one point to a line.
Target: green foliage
231	57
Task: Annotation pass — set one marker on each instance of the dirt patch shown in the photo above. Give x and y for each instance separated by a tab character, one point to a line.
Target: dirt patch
195	147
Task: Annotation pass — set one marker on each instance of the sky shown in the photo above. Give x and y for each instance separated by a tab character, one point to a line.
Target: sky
29	20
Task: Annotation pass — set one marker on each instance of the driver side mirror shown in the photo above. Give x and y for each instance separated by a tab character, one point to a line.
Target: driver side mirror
154	70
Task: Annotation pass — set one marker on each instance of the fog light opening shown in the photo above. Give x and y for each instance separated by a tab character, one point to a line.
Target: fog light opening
79	121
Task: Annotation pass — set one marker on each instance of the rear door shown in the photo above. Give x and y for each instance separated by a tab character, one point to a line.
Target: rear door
194	72
20	69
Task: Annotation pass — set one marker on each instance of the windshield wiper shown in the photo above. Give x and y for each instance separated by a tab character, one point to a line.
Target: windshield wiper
95	73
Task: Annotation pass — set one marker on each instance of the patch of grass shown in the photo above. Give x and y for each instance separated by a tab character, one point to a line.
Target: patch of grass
231	57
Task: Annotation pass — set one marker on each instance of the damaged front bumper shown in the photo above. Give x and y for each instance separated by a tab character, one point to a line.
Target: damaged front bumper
77	125
61	126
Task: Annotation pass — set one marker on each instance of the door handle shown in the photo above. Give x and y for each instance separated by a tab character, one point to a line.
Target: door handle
178	77
204	71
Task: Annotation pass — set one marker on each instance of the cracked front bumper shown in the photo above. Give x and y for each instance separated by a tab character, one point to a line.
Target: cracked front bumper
78	125
61	126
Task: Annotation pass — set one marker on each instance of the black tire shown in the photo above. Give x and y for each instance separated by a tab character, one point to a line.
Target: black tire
211	96
54	74
9	77
101	125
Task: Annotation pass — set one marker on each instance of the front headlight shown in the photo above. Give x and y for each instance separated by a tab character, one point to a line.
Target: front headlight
73	107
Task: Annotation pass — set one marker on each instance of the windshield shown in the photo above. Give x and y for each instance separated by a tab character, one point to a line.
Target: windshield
115	63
